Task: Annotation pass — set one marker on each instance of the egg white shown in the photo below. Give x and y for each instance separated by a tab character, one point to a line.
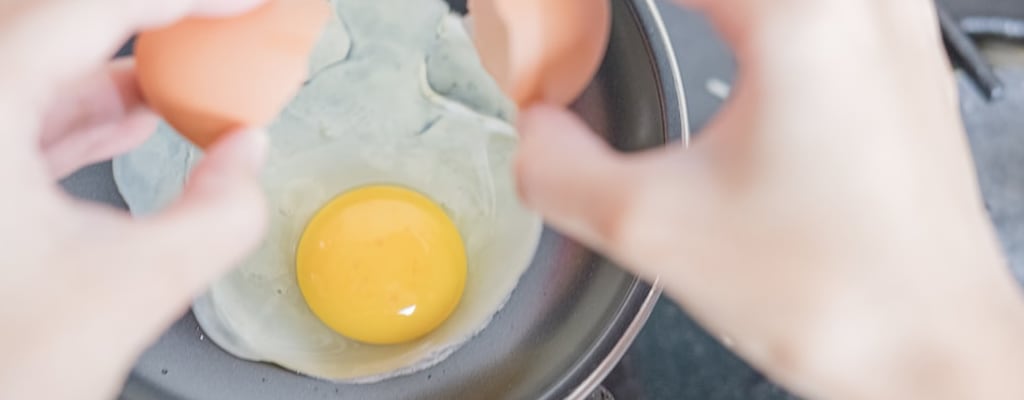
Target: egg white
396	96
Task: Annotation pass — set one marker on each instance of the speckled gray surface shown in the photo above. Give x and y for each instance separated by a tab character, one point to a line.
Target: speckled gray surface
673	358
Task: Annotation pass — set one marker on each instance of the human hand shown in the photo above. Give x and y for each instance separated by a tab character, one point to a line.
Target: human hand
85	288
827	224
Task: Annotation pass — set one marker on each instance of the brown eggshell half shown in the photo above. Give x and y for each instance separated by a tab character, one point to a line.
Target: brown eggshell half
208	76
541	50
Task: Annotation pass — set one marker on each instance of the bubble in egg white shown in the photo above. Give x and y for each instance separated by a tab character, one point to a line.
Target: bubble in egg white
396	96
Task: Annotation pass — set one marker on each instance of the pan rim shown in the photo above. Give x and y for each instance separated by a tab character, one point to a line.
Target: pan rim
672	91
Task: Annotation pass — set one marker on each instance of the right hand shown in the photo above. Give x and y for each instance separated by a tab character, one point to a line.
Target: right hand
828	222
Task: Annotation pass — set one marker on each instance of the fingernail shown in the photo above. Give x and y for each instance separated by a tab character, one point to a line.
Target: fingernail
250	146
537	117
520	180
524	122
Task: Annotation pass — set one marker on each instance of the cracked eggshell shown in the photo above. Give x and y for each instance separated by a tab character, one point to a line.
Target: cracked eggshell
541	50
207	76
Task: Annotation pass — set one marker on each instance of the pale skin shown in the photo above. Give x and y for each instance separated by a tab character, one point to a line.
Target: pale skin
827	223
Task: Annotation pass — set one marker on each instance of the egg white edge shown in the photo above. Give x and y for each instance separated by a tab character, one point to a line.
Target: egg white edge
432	358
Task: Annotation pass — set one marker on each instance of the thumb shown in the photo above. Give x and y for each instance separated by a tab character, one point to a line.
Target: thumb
564	172
157	265
218	220
615	203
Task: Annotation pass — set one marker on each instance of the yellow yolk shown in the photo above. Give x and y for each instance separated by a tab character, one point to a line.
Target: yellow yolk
381	265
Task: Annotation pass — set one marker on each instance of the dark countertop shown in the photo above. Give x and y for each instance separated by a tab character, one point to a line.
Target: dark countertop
673	358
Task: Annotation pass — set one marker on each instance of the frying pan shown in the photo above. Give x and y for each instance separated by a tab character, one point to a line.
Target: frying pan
567	324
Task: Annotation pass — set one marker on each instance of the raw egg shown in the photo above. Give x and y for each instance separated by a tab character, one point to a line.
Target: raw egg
207	76
381	265
541	50
395	234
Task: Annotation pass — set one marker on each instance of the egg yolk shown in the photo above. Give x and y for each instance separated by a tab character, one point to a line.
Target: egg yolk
381	265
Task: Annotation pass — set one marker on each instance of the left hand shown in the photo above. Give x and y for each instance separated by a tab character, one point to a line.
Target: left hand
827	222
85	288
